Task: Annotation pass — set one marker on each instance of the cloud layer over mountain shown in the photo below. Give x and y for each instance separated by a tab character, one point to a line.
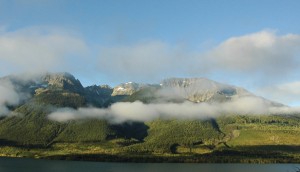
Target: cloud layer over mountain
262	59
259	60
138	111
262	55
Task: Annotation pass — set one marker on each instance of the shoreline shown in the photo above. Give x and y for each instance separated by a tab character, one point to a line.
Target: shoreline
164	159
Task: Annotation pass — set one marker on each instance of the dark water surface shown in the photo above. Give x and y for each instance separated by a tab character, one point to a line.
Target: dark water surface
33	165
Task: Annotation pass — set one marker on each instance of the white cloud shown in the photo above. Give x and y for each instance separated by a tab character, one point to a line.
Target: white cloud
138	111
37	49
9	96
259	59
263	52
291	88
259	56
152	60
287	93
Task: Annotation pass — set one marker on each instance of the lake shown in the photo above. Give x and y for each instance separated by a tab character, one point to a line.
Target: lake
34	165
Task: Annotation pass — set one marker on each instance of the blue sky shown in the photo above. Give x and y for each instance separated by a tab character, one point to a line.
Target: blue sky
123	21
253	44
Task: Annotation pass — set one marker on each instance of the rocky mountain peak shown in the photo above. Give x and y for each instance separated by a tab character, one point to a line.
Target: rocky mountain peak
127	88
202	89
63	81
101	90
186	82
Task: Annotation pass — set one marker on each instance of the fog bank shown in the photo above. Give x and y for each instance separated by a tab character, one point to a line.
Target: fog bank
138	111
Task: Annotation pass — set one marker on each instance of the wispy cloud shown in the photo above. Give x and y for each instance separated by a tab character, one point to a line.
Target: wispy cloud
263	52
259	55
264	58
152	60
37	49
260	59
9	96
286	92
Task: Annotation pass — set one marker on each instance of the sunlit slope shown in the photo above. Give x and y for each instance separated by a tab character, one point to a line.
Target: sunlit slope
165	136
29	127
274	133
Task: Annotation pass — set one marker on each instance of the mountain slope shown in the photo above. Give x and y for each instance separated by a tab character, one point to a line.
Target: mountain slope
28	126
128	88
202	89
195	90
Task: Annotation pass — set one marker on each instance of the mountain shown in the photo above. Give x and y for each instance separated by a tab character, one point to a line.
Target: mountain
205	90
64	81
27	131
127	88
195	90
37	84
202	89
99	96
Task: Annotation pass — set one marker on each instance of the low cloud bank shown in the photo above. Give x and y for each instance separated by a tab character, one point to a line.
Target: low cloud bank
138	111
9	96
12	94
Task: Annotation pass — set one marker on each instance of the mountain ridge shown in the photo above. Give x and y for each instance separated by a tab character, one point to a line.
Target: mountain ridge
28	131
170	89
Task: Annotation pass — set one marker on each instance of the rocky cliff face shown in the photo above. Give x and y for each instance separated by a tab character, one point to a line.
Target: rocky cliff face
202	89
101	90
63	81
172	89
98	95
127	89
40	83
